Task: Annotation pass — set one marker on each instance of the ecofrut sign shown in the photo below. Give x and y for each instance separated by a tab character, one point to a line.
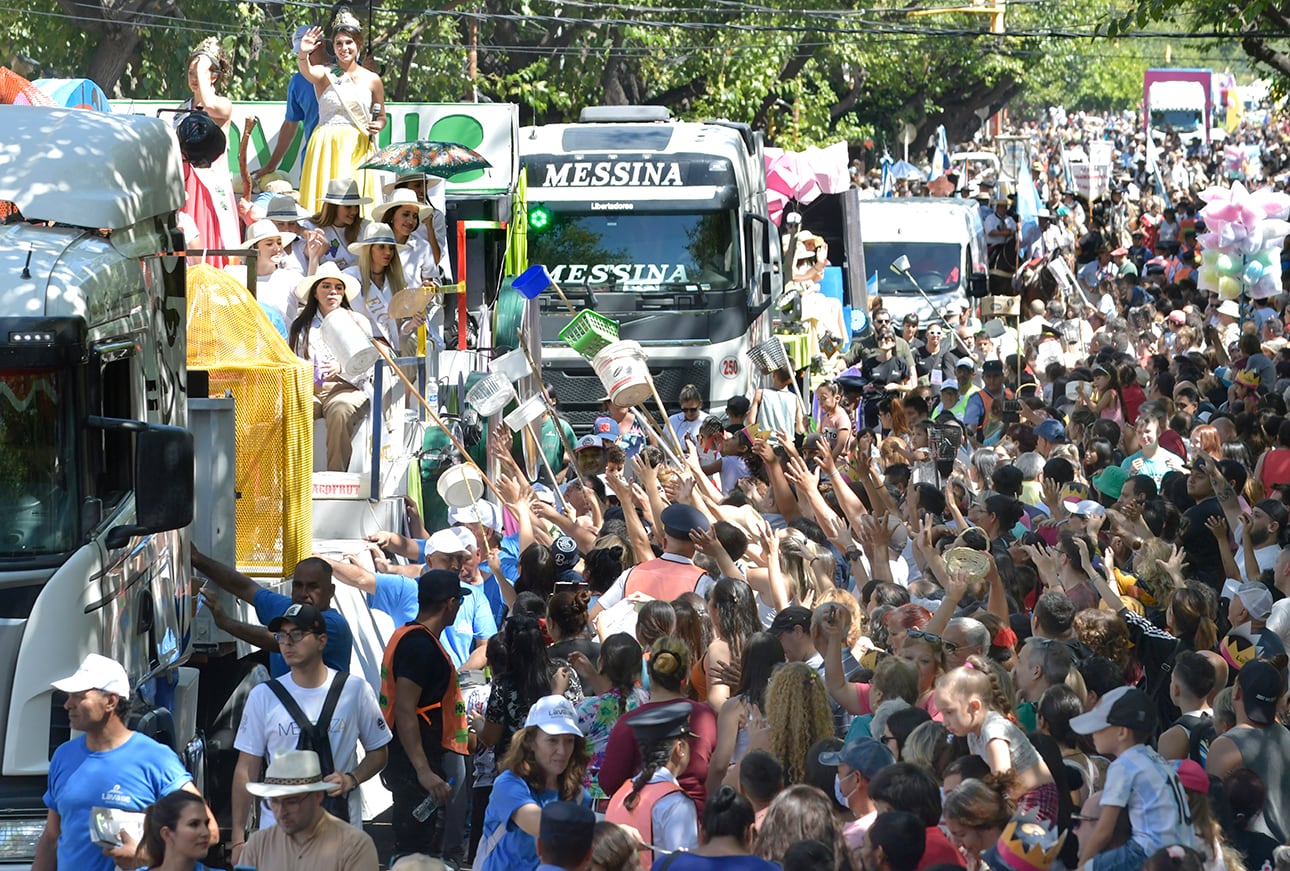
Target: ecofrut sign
491	129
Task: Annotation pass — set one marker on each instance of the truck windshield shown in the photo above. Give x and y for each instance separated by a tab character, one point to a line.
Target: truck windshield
36	449
936	266
636	252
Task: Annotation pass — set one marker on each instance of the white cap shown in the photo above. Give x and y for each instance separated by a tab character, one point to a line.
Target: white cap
445	541
466	537
1084	507
554	715
1256	598
97	673
483	511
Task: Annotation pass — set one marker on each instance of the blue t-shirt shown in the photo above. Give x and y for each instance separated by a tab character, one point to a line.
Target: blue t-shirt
302	106
130	778
508	555
396	595
517	850
340	642
691	862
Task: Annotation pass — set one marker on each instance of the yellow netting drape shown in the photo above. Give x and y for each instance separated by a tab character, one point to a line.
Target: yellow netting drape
230	337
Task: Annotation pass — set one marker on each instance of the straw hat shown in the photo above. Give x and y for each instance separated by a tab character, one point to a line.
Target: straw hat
305	286
266	229
375	233
344	192
401	197
291	772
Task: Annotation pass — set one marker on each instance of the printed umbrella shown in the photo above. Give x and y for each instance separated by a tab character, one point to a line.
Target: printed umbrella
442	159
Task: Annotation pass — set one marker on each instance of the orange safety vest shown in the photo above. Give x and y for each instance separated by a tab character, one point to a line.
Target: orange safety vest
662	579
641	817
987	401
452	706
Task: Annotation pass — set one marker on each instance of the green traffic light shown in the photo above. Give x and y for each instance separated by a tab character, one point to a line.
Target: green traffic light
539	218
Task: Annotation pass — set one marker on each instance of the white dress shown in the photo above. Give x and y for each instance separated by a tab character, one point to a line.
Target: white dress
374	302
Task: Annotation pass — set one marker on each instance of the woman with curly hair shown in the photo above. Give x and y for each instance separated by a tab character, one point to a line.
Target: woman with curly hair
976	813
801	813
545	763
798	711
1108	635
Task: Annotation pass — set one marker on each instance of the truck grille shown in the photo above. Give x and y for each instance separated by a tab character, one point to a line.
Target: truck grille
579	388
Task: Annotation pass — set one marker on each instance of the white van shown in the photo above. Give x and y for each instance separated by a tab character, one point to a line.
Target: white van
944	242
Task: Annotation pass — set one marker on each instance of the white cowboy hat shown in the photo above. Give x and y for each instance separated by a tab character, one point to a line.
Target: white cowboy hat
305	286
285	208
401	197
1230	308
266	229
291	772
344	192
375	233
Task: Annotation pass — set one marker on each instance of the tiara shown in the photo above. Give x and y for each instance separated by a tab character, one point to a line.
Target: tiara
345	20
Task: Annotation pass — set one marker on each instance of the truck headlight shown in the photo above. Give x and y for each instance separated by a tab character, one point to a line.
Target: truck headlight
18	839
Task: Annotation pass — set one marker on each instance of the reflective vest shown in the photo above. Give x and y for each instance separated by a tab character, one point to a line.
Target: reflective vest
987	402
642	816
452	708
662	579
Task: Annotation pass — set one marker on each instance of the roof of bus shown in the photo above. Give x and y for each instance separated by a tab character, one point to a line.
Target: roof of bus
88	169
891	218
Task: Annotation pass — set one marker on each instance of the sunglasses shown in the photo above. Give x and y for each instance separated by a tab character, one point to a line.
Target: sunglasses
881	321
932	638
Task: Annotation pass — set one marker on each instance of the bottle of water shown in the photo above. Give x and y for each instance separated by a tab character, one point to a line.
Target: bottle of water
422	812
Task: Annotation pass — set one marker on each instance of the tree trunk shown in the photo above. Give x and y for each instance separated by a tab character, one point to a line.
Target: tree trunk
115	47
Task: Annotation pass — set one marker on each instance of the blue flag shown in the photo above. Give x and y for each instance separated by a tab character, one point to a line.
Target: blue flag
1028	206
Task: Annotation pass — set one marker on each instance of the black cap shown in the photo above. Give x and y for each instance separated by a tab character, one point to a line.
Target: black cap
679	519
567	828
1261	689
565	551
738	405
793	615
305	617
439	585
660	722
992	367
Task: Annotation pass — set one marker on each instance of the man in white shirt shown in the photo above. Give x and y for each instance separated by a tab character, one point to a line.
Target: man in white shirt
268	728
686	422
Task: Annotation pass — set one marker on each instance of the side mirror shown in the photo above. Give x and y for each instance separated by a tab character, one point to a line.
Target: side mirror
163	483
979	286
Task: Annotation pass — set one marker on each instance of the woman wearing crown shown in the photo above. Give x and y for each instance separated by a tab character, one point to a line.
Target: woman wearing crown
351	111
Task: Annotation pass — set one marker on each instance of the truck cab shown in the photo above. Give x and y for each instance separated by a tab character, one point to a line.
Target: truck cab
96	471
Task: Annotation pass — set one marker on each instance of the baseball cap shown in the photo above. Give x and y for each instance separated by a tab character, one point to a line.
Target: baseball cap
483	511
1256	598
606	428
589	441
1261	688
1178	316
445	541
565	551
1192	776
567	828
554	715
545	493
1051	430
1122	706
862	754
966	363
301	616
992	367
793	615
96	673
440	585
1084	507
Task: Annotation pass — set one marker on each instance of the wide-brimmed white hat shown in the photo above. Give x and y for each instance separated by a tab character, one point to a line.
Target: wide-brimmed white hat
375	233
285	208
305	286
1230	308
344	192
401	197
266	229
291	772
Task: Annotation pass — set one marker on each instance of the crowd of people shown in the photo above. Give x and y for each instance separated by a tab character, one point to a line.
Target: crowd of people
997	596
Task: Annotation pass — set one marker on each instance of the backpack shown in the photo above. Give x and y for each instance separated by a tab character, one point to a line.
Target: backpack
313	736
1200	732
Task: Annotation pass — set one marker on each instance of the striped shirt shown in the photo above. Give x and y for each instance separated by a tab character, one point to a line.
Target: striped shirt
1140	781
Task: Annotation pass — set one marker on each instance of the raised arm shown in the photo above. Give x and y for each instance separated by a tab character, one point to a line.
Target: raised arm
835	680
316	73
225	577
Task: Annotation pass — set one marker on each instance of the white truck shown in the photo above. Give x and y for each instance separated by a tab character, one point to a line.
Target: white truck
97	470
660	225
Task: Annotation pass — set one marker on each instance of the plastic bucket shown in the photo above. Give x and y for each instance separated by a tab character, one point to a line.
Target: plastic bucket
349	343
624	372
513	364
461	486
490	394
532	282
527	412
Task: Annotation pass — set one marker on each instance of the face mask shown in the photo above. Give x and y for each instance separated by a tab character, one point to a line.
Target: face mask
842	797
